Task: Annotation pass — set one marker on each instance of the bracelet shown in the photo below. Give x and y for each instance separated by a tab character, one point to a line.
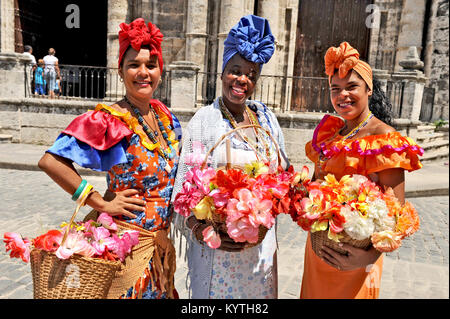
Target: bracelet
84	194
79	190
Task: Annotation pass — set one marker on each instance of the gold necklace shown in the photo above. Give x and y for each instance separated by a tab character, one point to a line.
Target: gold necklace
253	120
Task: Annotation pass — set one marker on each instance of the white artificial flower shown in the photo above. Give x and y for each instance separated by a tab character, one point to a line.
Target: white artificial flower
357	226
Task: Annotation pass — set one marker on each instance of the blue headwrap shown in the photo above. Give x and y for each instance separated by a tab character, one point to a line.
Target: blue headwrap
252	39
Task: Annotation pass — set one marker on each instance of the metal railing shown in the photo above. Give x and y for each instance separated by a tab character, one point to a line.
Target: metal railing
97	83
281	93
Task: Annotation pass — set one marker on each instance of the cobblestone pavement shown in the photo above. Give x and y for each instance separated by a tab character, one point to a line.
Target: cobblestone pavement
31	203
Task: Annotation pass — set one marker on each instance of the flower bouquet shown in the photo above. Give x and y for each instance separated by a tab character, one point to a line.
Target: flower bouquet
355	210
240	201
77	261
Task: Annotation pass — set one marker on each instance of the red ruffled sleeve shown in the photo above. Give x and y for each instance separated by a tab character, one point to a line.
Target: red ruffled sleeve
98	129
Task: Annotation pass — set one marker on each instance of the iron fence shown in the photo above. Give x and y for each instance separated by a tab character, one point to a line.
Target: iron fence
95	83
281	93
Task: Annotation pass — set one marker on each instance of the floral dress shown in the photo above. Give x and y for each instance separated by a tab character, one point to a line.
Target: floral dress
129	164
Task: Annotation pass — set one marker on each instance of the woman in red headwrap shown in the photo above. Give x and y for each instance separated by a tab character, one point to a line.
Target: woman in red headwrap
358	142
135	141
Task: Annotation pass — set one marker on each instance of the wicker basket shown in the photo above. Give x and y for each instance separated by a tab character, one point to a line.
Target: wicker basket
219	221
320	238
74	278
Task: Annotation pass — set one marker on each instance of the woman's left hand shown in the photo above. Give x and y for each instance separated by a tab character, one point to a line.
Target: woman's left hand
354	259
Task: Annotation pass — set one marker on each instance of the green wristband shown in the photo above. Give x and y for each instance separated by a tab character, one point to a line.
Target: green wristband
79	190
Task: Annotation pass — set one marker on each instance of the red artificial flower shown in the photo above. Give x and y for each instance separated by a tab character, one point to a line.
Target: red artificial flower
49	241
230	180
19	246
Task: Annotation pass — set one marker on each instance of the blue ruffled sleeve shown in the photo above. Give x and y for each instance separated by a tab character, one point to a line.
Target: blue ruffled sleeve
88	157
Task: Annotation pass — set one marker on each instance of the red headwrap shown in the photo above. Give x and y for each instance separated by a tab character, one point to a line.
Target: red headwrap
137	34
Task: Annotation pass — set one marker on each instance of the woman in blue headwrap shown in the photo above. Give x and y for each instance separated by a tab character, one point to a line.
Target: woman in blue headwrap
233	270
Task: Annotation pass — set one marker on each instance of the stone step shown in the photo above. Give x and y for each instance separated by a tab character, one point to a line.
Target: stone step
435	151
5	138
425	137
425	128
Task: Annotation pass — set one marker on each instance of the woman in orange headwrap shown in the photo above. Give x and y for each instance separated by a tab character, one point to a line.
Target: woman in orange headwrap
135	141
360	141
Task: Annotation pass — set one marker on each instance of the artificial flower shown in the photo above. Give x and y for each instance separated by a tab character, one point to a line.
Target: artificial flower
49	241
408	222
211	238
75	243
107	221
204	209
386	241
241	230
256	168
19	246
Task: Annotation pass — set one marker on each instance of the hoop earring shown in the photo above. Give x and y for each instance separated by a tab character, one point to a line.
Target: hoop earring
120	79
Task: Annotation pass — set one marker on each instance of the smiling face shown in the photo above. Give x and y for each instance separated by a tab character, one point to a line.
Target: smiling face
349	95
140	73
238	80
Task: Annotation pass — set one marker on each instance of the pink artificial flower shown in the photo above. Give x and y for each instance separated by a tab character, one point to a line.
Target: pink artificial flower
211	238
101	239
124	243
197	156
107	221
261	213
20	247
187	199
241	230
220	198
75	244
313	205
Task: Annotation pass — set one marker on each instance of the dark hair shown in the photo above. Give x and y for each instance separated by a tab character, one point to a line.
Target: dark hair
379	103
27	48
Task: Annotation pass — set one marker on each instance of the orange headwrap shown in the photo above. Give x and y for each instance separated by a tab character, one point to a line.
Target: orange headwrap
344	58
137	34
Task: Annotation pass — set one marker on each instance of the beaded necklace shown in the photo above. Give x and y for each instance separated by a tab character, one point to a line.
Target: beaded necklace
165	153
323	158
253	120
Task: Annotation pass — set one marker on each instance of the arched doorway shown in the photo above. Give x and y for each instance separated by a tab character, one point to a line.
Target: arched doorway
47	24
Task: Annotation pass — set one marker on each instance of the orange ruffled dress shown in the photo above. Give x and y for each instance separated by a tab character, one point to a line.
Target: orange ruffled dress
364	156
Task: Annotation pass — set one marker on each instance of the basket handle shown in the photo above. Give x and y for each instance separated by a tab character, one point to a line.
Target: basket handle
79	205
236	129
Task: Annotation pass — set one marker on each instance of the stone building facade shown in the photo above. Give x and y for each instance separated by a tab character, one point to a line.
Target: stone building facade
194	31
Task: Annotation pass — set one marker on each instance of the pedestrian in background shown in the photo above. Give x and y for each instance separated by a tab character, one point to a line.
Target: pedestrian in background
39	84
51	71
28	51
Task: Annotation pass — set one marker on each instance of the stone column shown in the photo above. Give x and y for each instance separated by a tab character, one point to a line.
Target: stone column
271	86
414	83
231	12
411	28
196	40
13	72
7	26
383	76
183	84
118	12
